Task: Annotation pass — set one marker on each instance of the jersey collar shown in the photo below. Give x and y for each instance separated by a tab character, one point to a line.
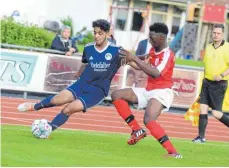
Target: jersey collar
157	53
222	43
100	51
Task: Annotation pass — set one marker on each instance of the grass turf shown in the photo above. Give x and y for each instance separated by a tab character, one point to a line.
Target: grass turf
189	62
68	148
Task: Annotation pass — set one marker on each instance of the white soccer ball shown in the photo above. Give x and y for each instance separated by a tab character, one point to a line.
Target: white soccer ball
41	129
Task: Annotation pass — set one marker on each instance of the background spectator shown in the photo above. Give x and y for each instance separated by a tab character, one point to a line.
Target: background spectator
143	47
63	42
111	36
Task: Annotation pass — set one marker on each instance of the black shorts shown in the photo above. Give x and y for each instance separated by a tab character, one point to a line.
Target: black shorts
212	93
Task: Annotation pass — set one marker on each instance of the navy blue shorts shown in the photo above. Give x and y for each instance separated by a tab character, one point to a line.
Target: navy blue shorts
89	95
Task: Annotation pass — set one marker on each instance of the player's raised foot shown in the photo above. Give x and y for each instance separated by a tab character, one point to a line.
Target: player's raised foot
136	136
174	155
25	107
199	140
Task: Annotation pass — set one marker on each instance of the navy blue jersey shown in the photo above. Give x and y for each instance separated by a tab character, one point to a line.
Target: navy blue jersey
101	65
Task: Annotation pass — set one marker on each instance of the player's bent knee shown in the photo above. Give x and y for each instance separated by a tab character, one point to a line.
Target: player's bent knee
59	100
54	100
115	95
68	111
73	107
147	119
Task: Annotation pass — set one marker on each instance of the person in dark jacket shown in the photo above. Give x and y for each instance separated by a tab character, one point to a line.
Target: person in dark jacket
143	47
64	43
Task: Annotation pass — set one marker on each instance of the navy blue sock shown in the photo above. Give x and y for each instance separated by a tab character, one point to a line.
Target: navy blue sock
59	120
44	103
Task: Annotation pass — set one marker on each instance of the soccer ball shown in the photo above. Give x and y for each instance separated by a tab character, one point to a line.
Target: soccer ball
41	129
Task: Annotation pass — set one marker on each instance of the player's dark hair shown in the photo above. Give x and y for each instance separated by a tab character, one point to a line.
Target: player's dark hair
102	24
159	28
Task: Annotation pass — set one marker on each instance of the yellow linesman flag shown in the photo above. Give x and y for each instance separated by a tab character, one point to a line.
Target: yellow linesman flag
193	113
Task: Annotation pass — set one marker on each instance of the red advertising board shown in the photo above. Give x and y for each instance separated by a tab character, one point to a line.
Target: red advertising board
214	13
61	71
185	84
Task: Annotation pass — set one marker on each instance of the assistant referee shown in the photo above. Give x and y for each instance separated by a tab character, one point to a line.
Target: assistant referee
215	82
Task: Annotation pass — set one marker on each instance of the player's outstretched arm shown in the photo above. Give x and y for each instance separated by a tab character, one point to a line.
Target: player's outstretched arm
143	57
145	66
134	65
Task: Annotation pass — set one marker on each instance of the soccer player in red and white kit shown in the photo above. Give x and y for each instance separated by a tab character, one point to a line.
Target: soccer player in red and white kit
157	96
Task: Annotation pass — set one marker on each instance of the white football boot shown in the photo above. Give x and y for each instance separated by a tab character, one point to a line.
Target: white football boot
25	107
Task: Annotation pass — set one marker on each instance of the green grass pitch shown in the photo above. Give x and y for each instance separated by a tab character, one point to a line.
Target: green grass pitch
68	148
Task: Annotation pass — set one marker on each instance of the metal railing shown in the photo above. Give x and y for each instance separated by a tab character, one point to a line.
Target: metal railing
12	46
36	49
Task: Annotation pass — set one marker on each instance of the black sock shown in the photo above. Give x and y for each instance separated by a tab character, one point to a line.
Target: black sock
203	121
225	120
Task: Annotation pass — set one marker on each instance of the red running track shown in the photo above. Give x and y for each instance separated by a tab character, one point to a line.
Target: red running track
106	119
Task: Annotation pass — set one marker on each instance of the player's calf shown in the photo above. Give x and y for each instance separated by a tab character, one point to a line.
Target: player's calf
63	116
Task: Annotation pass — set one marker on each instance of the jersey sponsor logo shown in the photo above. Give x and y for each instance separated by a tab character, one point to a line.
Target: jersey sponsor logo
101	66
91	58
108	56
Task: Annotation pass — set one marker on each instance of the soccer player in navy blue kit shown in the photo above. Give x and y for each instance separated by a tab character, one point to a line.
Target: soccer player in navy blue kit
100	62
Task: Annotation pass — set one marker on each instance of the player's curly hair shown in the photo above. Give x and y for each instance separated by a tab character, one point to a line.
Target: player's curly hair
102	24
159	28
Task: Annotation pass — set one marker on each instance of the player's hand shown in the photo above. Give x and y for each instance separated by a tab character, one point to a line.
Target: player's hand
126	54
77	75
69	53
217	78
147	60
72	50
